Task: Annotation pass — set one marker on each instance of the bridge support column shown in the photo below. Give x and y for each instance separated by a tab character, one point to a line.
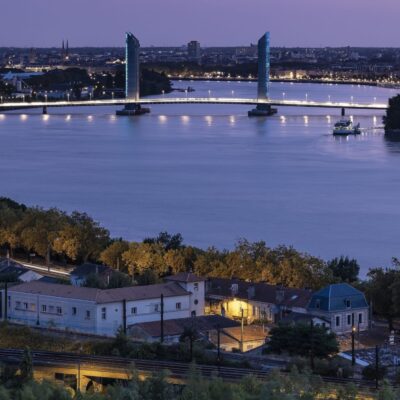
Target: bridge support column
44	112
133	109
132	77
263	110
343	112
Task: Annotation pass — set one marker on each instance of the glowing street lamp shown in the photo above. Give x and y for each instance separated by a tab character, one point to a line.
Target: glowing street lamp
306	96
329	98
283	95
233	92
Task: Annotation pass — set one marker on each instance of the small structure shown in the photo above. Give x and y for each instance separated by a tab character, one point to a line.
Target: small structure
12	270
81	273
206	326
238	339
343	306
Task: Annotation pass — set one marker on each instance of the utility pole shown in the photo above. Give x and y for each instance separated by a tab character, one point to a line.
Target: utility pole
241	332
6	301
312	345
376	367
218	344
353	332
124	315
162	318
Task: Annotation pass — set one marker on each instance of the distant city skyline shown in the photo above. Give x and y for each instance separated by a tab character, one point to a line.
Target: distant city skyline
102	23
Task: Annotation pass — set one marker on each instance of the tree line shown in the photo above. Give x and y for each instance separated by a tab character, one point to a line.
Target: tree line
76	238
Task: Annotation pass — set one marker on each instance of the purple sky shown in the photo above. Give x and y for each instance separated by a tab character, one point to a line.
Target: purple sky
42	23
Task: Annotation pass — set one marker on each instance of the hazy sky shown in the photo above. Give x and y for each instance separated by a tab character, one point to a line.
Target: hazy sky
42	23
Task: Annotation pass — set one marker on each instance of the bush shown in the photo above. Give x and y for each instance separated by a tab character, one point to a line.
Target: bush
370	372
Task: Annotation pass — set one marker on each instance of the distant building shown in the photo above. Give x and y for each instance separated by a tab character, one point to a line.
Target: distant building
194	51
343	306
95	311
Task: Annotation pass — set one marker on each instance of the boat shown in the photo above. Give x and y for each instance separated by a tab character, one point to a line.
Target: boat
346	127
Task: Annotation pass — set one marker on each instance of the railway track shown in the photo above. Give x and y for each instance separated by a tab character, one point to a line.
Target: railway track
178	370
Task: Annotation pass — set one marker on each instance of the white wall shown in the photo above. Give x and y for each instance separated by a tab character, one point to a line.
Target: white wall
50	318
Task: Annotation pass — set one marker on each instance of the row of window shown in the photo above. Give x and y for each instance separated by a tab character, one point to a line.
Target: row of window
50	309
349	319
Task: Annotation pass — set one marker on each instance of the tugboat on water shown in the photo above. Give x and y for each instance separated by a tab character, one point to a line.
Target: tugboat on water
346	127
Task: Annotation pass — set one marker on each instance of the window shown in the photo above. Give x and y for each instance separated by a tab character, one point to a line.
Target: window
87	314
104	313
156	308
348	303
178	306
196	286
348	319
360	318
44	308
134	310
337	321
59	310
193	313
74	310
25	306
196	302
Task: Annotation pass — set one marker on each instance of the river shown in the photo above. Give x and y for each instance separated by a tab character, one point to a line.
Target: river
215	175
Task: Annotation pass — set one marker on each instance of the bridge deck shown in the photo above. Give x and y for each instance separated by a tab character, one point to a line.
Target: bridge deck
195	100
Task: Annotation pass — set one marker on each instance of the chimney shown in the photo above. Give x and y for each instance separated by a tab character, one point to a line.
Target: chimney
280	295
251	291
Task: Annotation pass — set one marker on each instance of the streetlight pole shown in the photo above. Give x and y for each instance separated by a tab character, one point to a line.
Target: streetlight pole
162	318
353	355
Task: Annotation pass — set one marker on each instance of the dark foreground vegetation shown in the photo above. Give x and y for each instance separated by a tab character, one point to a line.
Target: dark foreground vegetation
17	383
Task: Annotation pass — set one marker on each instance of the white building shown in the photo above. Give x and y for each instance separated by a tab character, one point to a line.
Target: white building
101	312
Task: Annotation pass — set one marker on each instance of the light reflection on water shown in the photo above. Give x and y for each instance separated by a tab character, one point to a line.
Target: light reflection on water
214	174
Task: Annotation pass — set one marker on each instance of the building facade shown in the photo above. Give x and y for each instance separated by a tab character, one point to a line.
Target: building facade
344	307
94	311
261	302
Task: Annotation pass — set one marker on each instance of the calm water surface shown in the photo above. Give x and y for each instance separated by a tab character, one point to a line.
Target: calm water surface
214	174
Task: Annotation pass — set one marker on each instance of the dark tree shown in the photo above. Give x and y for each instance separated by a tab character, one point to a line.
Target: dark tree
392	118
303	340
344	269
26	366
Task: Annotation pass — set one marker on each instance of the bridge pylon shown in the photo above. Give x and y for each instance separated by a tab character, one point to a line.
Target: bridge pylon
263	84
132	77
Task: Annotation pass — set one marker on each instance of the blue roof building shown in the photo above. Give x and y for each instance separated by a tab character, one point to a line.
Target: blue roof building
343	305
